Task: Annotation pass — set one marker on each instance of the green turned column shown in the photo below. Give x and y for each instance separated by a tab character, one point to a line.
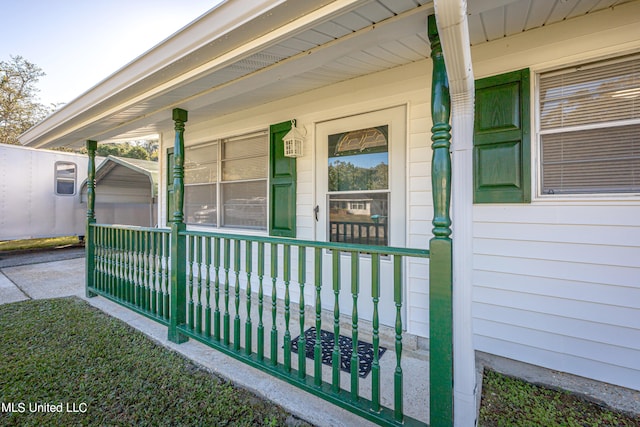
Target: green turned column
440	246
178	242
89	243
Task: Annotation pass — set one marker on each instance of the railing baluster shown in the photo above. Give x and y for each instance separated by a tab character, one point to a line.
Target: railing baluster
153	300
397	376
302	342
207	310
165	275
287	307
355	357
317	348
274	304
130	266
199	293
375	365
147	270
236	319
139	269
190	304
260	301
216	292
335	355
226	317
247	324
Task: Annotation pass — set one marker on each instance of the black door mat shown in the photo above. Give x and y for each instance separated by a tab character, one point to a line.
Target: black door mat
365	350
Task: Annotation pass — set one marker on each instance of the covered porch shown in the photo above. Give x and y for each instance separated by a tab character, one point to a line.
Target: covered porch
272	301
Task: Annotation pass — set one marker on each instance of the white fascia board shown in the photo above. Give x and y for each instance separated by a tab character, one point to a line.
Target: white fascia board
227	17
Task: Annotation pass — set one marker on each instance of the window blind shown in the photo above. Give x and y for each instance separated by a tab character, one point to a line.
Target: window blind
590	128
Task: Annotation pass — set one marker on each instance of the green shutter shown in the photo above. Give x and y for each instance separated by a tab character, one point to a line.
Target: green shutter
501	139
282	184
169	185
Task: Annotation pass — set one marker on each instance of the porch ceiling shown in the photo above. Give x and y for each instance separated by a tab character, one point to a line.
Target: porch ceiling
283	49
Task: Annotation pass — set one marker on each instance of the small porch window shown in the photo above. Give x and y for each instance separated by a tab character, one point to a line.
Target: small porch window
65	173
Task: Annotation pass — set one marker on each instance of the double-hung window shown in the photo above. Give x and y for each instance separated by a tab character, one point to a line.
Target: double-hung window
226	182
589	127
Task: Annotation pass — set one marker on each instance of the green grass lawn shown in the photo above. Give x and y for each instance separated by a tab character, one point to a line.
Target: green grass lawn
66	352
508	402
32	244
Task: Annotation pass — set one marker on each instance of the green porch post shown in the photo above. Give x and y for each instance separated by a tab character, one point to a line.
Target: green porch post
89	244
178	315
440	246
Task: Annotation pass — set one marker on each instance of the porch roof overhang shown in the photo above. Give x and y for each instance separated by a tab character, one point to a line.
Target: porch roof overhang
244	53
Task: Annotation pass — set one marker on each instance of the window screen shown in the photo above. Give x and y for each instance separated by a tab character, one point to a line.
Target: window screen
590	128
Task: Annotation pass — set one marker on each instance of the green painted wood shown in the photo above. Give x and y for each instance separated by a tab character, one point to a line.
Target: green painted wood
274	304
375	321
348	398
335	354
178	316
199	242
355	358
226	319
287	306
282	184
91	219
207	264
302	342
398	408
440	272
190	304
216	266
260	349
248	326
501	139
236	297
317	348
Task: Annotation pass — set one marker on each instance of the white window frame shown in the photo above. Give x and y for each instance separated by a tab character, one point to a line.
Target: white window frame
536	158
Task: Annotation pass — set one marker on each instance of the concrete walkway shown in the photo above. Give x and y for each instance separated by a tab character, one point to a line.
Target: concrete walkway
56	279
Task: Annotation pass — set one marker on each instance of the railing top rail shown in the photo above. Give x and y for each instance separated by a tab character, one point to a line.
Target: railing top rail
133	227
348	247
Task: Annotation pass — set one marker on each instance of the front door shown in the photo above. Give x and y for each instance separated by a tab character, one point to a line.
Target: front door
360	197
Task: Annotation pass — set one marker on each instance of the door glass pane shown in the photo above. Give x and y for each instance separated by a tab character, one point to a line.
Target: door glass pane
359	160
359	218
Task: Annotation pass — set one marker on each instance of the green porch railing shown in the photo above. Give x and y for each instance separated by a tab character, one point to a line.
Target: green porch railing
131	267
239	301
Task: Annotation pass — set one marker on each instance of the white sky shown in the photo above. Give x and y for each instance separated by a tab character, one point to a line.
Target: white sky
79	43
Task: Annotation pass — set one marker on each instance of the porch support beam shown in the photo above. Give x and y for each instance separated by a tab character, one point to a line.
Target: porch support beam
89	244
453	28
178	297
440	246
